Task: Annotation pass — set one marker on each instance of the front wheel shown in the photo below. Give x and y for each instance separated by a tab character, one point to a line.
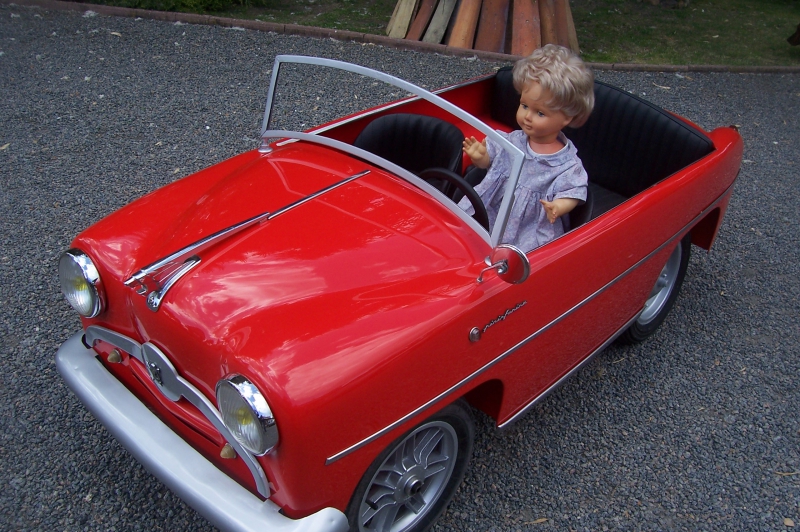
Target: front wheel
663	295
412	481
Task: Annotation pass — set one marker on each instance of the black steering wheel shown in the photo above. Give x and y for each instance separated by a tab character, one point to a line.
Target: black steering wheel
441	177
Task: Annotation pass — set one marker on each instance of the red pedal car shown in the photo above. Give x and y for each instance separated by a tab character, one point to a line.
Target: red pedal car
292	339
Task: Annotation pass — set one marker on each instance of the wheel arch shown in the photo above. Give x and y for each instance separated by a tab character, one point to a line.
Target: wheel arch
705	231
487	397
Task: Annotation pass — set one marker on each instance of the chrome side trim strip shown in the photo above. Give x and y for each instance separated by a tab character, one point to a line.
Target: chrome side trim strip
316	194
522	343
173	386
553	387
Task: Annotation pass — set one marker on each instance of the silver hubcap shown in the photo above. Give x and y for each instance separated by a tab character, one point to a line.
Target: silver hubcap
410	480
663	287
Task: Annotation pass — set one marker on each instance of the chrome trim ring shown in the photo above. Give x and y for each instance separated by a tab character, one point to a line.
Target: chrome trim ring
664	286
258	406
90	275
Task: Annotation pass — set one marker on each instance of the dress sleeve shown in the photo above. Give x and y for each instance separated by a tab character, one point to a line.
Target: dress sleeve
495	177
493	148
572	183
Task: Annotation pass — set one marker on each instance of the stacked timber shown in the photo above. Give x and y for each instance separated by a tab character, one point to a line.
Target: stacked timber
514	27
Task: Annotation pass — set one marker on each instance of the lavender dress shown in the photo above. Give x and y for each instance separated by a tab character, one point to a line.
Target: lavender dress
548	177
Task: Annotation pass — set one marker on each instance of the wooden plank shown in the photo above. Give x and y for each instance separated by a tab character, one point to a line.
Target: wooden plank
573	35
562	28
421	21
405	10
525	32
463	34
438	25
393	19
547	16
441	18
449	31
491	33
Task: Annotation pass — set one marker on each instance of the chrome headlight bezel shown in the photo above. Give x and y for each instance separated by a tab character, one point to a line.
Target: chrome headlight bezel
246	414
81	283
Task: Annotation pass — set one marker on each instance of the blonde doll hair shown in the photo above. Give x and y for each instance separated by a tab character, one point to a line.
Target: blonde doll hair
561	72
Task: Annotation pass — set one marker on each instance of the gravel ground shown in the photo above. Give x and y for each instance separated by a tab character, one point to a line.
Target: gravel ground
696	429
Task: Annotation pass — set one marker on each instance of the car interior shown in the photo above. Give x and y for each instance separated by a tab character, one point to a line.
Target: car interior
626	146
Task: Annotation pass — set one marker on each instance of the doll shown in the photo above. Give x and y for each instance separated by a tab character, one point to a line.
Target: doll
557	89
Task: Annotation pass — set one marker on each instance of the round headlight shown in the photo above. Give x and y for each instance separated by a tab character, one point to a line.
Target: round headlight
80	283
247	415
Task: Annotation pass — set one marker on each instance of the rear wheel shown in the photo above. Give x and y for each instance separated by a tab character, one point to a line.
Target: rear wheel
411	482
663	295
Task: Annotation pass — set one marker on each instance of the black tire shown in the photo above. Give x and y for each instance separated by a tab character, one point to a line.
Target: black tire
663	295
412	481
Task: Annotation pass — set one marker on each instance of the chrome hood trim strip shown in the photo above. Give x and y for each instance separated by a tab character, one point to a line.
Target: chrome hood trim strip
153	281
316	194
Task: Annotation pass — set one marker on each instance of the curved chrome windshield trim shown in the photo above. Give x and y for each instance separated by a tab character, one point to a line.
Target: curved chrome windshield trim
386	165
515	153
391	105
173	386
523	342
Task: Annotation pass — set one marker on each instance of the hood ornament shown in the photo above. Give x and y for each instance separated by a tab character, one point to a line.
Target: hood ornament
155	280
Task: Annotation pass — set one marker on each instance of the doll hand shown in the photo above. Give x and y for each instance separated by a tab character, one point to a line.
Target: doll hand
558	207
551	208
477	152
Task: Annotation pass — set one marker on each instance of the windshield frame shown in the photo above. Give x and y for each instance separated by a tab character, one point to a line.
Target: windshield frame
517	156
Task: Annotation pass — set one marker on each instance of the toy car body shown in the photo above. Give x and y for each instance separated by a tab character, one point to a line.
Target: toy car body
288	338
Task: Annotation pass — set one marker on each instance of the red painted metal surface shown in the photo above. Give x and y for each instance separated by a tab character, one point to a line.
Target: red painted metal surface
354	309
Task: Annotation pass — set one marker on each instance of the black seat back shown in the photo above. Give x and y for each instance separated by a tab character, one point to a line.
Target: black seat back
414	142
627	145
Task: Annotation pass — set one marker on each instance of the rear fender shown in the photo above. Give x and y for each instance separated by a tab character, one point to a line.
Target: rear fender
706	230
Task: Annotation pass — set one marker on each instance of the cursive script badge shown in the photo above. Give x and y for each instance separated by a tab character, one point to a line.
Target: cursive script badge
503	316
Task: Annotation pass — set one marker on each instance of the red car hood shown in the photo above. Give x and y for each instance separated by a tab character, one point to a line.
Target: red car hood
338	280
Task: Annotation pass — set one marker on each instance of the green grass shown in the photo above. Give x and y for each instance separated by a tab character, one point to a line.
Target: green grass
707	32
353	15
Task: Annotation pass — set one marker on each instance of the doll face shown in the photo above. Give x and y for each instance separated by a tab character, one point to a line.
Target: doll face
539	122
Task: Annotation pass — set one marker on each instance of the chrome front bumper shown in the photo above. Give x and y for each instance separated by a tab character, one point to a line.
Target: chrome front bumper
215	495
